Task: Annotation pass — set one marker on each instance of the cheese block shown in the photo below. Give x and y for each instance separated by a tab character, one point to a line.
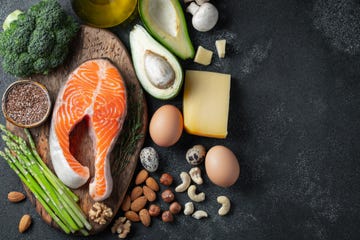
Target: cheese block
203	56
206	103
220	47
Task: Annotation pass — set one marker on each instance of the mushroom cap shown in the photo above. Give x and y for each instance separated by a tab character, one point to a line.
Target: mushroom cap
205	18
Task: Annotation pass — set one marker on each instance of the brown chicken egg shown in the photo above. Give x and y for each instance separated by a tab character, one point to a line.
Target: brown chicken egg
222	166
166	126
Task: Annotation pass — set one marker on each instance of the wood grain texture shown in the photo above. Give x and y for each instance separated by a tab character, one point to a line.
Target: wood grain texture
92	43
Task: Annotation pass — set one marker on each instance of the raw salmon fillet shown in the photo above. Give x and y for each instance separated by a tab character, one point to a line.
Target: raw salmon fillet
97	91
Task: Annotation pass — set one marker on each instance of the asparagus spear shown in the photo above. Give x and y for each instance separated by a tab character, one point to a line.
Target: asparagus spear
34	187
35	171
50	189
63	190
59	184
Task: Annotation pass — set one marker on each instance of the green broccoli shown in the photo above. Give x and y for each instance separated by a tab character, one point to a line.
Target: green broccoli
37	40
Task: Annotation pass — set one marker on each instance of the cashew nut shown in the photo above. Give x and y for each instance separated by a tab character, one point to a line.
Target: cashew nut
195	174
195	197
186	180
199	214
189	208
225	205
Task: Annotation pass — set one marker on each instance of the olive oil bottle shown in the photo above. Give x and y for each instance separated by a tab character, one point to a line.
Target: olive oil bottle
103	13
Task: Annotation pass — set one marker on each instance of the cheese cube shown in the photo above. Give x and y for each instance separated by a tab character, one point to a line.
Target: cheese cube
220	47
206	103
203	56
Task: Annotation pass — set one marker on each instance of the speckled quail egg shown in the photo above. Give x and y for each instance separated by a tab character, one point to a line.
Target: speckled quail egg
149	159
196	155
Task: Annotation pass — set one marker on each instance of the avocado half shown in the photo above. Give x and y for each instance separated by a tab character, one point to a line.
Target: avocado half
165	21
158	70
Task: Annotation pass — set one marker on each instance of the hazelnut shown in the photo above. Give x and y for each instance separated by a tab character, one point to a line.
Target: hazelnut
175	208
167	216
154	210
166	179
168	196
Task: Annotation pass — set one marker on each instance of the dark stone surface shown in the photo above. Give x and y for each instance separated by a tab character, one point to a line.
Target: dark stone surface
294	126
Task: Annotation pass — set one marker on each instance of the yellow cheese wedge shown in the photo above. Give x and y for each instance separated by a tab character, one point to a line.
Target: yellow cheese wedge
203	56
206	103
220	47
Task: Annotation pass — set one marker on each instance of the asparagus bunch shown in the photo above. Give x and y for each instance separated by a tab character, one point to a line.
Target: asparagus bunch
57	199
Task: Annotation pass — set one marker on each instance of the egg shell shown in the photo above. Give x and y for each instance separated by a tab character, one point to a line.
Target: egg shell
166	126
149	159
222	166
196	155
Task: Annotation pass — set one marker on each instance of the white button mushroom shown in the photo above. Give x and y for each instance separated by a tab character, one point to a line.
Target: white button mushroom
205	16
201	2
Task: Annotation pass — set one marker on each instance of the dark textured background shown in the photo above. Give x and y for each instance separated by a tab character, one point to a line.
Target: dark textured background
294	126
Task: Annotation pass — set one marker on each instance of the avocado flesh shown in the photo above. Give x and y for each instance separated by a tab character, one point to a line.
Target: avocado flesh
142	46
165	21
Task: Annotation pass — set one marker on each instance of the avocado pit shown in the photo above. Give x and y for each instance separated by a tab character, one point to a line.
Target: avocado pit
158	70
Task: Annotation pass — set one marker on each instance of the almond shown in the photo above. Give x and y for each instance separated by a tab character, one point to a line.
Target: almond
132	216
149	194
145	217
151	183
138	204
136	192
125	205
16	197
24	223
141	177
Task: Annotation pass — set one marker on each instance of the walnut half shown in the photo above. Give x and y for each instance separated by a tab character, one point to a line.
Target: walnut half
122	227
99	213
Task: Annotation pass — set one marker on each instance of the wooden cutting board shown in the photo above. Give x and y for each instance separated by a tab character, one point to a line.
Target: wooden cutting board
97	43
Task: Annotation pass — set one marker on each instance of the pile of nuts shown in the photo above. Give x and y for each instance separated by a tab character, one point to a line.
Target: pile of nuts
144	192
168	196
100	213
139	204
134	205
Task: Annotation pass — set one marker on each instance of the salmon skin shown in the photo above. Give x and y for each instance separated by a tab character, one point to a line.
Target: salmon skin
97	91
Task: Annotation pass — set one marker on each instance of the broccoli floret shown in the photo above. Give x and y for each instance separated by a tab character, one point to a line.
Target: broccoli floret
36	40
58	56
20	40
24	65
41	65
9	62
41	42
52	16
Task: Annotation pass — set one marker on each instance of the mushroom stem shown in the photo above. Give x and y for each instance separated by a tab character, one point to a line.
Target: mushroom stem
192	8
200	2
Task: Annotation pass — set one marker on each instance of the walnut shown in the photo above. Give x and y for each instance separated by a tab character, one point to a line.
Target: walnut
99	213
122	227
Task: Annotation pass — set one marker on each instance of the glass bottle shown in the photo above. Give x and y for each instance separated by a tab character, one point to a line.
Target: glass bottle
103	13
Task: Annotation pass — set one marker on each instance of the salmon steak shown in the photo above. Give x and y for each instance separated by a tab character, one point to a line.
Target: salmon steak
94	90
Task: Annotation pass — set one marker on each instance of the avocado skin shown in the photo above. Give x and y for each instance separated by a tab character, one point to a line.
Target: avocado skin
142	42
180	45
